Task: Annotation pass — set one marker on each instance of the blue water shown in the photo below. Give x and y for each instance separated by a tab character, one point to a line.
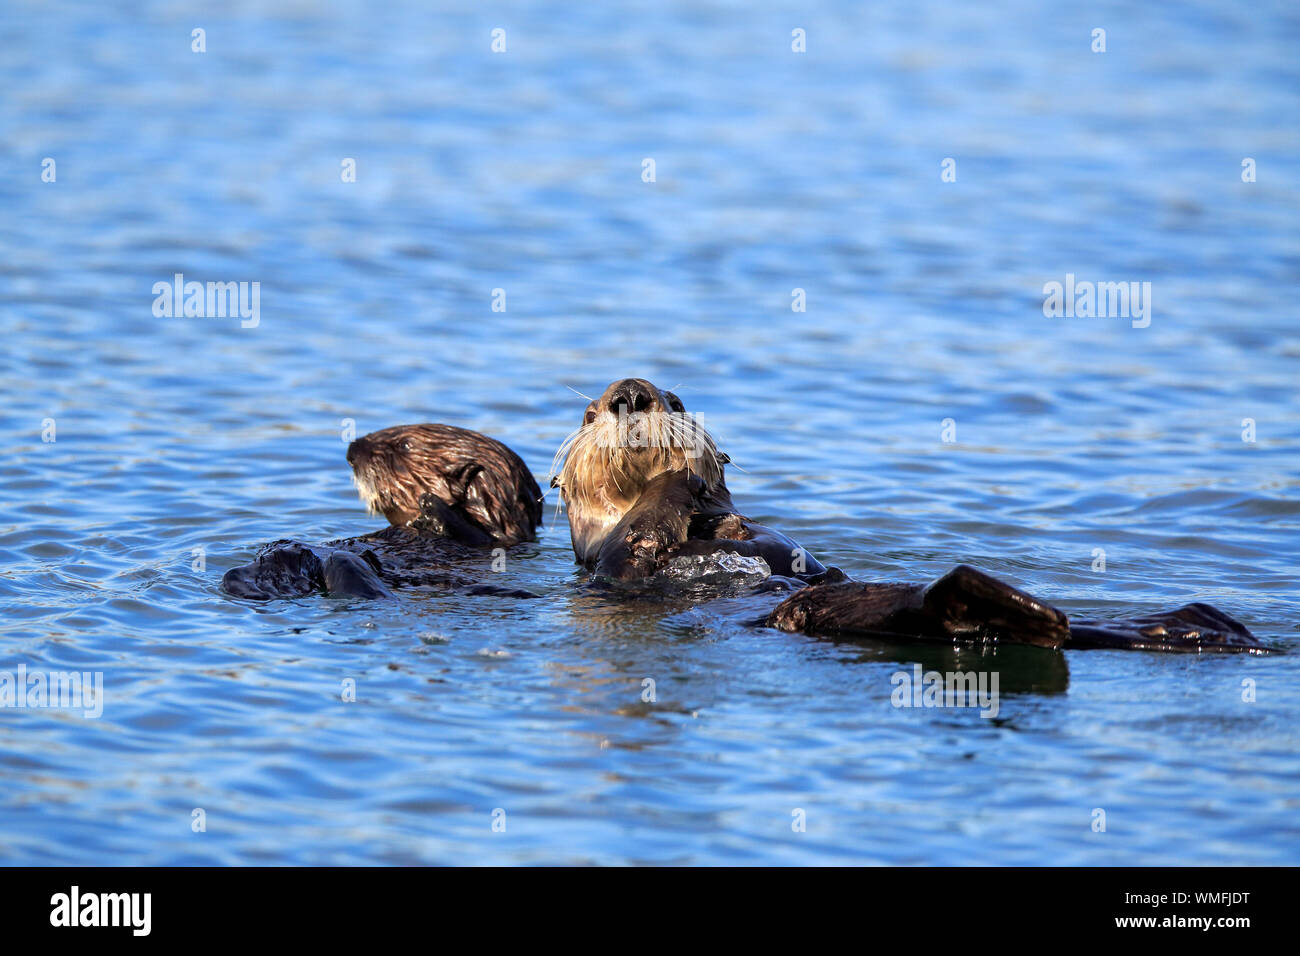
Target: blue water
522	171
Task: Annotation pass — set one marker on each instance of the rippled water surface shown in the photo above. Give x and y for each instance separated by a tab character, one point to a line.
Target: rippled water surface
522	171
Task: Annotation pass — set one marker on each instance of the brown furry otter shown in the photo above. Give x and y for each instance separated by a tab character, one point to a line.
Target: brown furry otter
447	491
485	484
644	483
967	606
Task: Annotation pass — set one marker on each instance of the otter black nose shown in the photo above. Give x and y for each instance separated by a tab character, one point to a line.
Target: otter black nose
358	450
632	395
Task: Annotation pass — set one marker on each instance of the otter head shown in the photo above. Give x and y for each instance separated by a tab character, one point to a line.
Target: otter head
630	435
482	478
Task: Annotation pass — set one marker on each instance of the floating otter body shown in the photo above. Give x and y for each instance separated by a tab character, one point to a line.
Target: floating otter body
967	606
644	484
448	492
406	473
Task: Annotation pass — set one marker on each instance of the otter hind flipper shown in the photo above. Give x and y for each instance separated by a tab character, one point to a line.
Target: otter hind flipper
972	604
282	569
965	606
288	569
1193	628
968	606
849	609
348	574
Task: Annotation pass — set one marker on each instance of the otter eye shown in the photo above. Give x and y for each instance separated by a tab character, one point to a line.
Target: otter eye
407	446
589	417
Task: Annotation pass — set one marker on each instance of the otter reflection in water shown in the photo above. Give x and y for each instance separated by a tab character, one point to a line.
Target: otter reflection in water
645	485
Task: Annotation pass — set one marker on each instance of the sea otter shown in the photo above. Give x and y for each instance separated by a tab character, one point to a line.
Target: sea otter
644	483
447	492
489	495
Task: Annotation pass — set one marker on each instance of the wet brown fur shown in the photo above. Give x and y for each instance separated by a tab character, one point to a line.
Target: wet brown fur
474	475
644	482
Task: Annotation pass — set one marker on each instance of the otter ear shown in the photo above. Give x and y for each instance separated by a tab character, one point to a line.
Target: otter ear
674	402
725	459
459	482
555	481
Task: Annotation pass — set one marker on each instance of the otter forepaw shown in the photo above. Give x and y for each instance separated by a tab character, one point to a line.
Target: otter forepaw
447	521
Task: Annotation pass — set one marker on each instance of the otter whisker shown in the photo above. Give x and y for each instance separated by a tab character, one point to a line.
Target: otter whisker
630	436
563	451
690	435
576	392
